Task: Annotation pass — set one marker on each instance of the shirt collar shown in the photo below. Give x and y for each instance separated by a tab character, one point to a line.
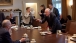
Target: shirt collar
52	9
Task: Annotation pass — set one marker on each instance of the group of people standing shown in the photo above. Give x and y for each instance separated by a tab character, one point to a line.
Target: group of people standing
52	9
51	15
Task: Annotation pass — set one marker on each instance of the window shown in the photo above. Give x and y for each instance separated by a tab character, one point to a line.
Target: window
57	4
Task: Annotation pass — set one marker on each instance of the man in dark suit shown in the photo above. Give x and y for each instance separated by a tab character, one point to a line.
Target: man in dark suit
2	17
54	10
12	18
42	11
52	20
5	35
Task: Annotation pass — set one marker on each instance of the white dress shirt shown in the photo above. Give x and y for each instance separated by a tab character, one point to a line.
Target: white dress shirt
26	18
52	9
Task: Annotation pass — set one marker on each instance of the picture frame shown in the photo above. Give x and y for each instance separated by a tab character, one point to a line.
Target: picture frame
6	2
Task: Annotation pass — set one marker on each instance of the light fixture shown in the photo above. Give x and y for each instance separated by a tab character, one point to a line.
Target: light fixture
70	3
30	4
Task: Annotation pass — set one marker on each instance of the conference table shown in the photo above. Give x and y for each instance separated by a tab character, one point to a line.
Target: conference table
35	34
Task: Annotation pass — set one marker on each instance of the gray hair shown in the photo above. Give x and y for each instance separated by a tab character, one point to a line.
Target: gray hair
47	9
5	23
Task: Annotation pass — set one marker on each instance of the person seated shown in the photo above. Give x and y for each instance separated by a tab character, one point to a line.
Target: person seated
69	17
7	17
5	35
12	19
62	20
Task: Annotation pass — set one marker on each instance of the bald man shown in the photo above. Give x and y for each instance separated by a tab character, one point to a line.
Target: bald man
52	21
5	35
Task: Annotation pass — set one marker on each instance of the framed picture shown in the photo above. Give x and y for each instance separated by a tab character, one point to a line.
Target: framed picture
6	2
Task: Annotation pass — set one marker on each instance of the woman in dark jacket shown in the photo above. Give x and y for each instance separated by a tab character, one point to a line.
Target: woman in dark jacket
42	11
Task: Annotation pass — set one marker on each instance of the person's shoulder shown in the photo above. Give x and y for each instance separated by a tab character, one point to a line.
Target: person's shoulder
1	13
52	14
3	30
55	8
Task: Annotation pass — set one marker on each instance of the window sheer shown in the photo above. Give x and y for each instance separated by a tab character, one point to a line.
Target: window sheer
57	4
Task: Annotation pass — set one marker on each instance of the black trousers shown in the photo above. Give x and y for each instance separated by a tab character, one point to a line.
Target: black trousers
26	24
0	24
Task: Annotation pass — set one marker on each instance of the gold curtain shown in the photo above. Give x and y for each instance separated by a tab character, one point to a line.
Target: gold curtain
64	9
74	10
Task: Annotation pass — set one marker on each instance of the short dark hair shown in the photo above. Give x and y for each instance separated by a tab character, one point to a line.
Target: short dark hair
43	6
7	17
27	8
69	17
51	4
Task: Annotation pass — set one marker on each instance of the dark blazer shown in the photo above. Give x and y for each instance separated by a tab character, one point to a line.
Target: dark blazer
42	15
62	21
2	17
53	22
56	12
13	21
5	36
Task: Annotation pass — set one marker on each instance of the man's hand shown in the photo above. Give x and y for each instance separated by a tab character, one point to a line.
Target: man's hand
38	20
49	32
39	13
22	39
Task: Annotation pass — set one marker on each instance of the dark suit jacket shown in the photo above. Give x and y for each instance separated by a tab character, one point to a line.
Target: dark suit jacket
13	21
53	22
42	15
56	12
2	17
5	36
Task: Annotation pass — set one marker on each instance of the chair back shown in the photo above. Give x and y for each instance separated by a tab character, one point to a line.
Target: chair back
72	29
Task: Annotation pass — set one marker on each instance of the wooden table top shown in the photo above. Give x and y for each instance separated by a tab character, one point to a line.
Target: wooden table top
34	34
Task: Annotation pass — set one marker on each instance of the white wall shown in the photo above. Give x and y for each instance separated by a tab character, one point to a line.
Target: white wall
16	4
19	4
69	8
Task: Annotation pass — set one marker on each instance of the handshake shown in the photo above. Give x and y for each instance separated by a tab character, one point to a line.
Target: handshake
22	39
38	20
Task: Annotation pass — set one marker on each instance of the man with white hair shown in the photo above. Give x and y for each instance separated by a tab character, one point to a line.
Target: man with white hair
5	35
52	21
